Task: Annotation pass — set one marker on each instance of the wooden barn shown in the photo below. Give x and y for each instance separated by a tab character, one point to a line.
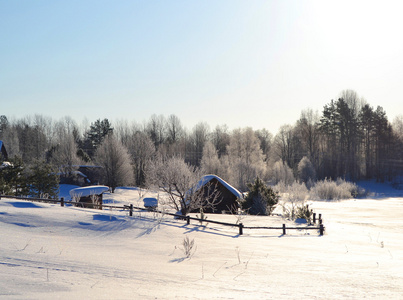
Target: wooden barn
226	196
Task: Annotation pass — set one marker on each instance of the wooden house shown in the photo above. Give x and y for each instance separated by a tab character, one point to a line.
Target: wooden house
215	189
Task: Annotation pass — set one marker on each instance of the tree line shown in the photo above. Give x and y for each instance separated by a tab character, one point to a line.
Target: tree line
348	139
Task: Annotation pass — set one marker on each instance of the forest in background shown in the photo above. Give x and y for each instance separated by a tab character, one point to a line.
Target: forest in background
348	139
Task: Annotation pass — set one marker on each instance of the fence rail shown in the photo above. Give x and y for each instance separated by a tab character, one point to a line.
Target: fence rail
130	207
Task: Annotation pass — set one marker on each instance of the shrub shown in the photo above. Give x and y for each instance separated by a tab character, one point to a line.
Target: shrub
187	247
293	196
304	212
261	199
334	190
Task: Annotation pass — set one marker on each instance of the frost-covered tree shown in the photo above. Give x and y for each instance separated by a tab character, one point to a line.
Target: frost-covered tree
64	156
245	157
210	164
281	172
306	171
115	161
176	178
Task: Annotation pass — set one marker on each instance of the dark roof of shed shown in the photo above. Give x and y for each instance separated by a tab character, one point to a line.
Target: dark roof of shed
3	149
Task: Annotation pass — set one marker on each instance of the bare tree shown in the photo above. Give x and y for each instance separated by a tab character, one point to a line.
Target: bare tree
220	138
307	129
156	129
115	161
178	180
174	128
197	140
285	145
142	150
265	138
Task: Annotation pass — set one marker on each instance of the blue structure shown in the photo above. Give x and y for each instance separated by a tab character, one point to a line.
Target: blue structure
3	151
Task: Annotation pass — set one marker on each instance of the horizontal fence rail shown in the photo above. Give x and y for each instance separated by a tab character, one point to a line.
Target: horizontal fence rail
130	207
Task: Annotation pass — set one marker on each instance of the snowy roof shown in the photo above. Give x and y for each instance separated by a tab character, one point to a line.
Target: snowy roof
206	178
6	164
89	190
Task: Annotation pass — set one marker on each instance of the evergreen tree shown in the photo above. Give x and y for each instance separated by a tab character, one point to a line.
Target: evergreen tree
43	181
95	136
261	199
12	178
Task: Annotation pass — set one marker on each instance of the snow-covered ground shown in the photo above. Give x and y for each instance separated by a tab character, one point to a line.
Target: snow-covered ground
50	252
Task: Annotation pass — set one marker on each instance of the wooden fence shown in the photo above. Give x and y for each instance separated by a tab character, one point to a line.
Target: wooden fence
131	208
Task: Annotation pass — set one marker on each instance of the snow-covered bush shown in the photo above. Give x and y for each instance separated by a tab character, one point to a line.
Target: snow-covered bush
292	198
334	190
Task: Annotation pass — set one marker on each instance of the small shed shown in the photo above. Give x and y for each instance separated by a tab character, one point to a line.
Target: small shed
3	151
89	196
226	195
150	203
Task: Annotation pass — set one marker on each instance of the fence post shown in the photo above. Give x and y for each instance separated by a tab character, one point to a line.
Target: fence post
188	220
240	229
314	218
320	217
62	201
321	229
284	229
131	210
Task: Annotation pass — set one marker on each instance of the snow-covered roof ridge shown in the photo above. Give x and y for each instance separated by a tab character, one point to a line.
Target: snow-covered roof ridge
207	178
89	190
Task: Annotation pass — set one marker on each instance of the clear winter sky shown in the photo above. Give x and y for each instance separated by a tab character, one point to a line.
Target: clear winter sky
241	63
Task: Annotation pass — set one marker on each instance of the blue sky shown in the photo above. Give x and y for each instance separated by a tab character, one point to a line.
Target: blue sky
240	63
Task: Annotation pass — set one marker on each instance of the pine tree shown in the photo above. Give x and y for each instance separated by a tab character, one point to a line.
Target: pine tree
43	181
13	181
95	136
261	199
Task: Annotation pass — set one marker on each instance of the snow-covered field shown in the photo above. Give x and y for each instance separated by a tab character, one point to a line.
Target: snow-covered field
50	252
